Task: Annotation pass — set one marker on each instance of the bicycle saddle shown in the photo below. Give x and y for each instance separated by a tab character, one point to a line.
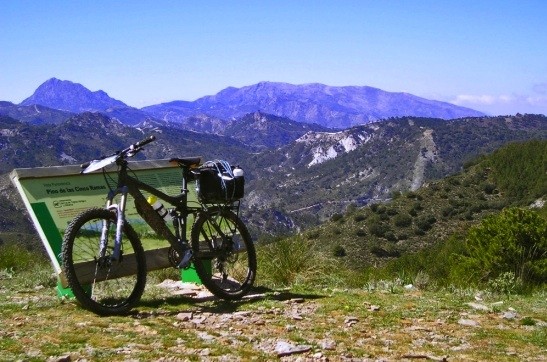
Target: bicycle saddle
187	161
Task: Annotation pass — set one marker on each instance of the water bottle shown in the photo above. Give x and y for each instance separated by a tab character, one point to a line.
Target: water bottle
159	208
238	172
239	188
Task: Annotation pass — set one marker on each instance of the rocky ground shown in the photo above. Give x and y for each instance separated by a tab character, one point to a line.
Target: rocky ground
182	322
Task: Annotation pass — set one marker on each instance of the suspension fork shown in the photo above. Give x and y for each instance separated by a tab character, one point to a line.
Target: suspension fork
119	210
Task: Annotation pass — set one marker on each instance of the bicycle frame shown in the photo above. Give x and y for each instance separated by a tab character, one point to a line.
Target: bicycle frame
132	186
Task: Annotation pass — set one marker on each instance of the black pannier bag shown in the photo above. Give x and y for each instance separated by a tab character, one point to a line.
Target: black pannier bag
219	183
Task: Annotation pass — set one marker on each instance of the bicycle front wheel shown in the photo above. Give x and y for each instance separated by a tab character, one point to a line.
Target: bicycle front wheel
99	283
224	254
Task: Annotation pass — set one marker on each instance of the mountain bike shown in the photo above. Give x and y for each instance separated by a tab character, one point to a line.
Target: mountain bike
103	257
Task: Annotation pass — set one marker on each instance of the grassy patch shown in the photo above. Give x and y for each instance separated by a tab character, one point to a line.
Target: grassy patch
377	317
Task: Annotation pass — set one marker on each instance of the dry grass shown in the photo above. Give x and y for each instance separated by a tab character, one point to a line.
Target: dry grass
387	322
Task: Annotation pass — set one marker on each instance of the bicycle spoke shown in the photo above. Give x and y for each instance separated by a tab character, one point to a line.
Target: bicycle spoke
224	267
100	283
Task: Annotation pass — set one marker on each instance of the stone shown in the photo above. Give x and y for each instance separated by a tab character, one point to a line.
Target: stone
509	315
184	316
283	348
328	344
478	306
468	322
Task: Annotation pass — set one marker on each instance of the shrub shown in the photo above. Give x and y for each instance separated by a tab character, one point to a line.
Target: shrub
425	222
361	233
417	206
390	236
434	261
514	241
336	217
385	252
447	211
488	188
402	236
383	216
377	227
352	207
289	260
402	220
506	283
339	251
392	212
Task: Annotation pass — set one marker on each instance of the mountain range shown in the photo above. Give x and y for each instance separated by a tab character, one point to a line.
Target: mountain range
299	171
296	176
327	106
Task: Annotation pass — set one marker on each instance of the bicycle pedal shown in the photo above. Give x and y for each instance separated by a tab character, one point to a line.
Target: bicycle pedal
186	259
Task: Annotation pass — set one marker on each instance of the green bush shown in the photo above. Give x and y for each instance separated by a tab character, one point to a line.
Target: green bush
287	261
339	251
378	229
425	222
336	217
514	241
435	261
518	169
402	220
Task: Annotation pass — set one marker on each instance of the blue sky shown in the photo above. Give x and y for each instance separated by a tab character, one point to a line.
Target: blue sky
486	55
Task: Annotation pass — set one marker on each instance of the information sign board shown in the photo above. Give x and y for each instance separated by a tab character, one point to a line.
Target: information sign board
53	196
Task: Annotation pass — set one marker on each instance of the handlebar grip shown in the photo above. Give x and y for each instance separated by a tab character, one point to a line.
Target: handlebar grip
145	141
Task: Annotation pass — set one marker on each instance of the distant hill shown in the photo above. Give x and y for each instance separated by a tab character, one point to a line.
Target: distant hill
34	114
89	135
321	173
72	97
327	106
258	130
262	131
333	107
512	176
297	177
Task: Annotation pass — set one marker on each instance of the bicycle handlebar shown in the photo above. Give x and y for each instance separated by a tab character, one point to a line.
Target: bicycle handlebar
129	151
145	141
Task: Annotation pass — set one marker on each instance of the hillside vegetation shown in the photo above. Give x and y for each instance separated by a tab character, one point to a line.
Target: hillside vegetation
297	180
306	182
418	232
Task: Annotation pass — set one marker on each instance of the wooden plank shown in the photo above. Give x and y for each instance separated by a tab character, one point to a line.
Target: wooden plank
155	259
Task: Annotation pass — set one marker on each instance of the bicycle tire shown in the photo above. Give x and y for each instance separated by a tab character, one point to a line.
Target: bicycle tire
225	266
103	287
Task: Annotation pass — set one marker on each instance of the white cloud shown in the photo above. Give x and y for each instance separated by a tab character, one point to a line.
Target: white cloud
504	104
467	99
537	100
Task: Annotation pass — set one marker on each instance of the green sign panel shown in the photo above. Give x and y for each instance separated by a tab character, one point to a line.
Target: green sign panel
53	196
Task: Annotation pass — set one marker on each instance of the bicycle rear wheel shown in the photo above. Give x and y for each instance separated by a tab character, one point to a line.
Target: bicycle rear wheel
100	284
224	254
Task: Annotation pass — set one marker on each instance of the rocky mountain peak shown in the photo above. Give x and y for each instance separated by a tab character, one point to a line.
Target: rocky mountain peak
73	97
